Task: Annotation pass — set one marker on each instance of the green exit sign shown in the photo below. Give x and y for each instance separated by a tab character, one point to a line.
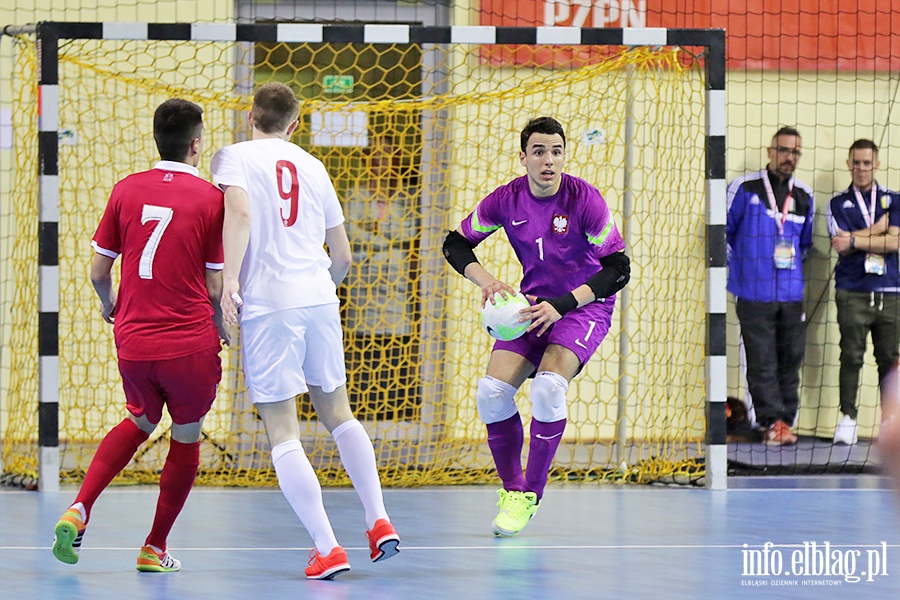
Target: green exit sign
338	84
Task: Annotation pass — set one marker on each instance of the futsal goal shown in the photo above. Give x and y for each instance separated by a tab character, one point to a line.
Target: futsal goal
415	125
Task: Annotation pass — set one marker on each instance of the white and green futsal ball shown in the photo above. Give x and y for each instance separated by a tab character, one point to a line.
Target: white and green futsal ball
501	320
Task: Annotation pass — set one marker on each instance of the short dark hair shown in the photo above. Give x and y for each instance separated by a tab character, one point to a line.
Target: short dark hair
787	131
545	125
176	123
275	107
864	145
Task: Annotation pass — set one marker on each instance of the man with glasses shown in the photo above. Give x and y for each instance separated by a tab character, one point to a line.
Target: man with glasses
769	232
864	223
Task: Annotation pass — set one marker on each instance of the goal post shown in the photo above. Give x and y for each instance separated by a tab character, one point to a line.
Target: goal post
415	124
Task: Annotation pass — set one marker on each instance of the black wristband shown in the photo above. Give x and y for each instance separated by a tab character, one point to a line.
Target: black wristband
563	304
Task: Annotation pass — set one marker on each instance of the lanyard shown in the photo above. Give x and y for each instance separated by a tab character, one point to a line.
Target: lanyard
868	215
780	218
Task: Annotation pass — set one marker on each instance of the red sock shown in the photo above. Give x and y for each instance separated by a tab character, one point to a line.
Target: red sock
114	453
175	484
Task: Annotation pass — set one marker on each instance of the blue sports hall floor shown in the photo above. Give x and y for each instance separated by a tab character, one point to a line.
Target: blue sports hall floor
830	537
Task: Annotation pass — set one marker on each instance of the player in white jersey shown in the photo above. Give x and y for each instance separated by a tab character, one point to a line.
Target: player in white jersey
280	210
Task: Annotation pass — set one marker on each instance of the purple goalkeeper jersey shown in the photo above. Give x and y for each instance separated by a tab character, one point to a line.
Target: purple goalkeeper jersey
559	240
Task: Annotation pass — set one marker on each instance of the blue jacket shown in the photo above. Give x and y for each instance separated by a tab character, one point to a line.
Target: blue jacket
752	233
845	213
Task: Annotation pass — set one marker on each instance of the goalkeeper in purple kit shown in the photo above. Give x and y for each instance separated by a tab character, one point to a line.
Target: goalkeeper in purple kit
573	263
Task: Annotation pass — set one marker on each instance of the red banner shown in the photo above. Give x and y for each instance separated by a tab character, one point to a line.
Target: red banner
818	35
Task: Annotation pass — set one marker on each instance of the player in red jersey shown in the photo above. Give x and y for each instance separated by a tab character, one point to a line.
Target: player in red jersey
166	224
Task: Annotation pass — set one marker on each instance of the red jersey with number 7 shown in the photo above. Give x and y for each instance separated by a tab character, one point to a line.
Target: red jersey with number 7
166	224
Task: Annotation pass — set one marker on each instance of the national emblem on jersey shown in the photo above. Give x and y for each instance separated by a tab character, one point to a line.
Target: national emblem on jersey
560	223
168	177
885	202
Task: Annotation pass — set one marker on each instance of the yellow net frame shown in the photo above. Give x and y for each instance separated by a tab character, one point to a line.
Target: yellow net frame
413	137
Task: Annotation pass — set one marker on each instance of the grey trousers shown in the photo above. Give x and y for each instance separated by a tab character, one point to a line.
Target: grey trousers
774	335
858	315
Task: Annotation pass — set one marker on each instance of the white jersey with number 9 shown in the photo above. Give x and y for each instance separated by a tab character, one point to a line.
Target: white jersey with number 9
292	202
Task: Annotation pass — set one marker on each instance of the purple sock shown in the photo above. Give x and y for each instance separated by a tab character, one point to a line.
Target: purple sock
505	438
545	438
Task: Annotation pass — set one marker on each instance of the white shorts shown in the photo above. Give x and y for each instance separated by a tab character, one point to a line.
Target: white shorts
285	351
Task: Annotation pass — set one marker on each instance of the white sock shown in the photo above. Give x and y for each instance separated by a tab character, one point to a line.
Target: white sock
300	486
80	508
358	457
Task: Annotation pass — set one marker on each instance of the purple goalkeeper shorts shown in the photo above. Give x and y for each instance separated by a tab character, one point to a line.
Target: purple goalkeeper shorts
581	331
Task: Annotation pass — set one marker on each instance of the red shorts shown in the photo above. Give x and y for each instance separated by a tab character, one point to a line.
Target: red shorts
186	385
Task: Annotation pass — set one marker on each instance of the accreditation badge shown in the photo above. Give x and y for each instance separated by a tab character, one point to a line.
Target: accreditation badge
875	264
784	254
